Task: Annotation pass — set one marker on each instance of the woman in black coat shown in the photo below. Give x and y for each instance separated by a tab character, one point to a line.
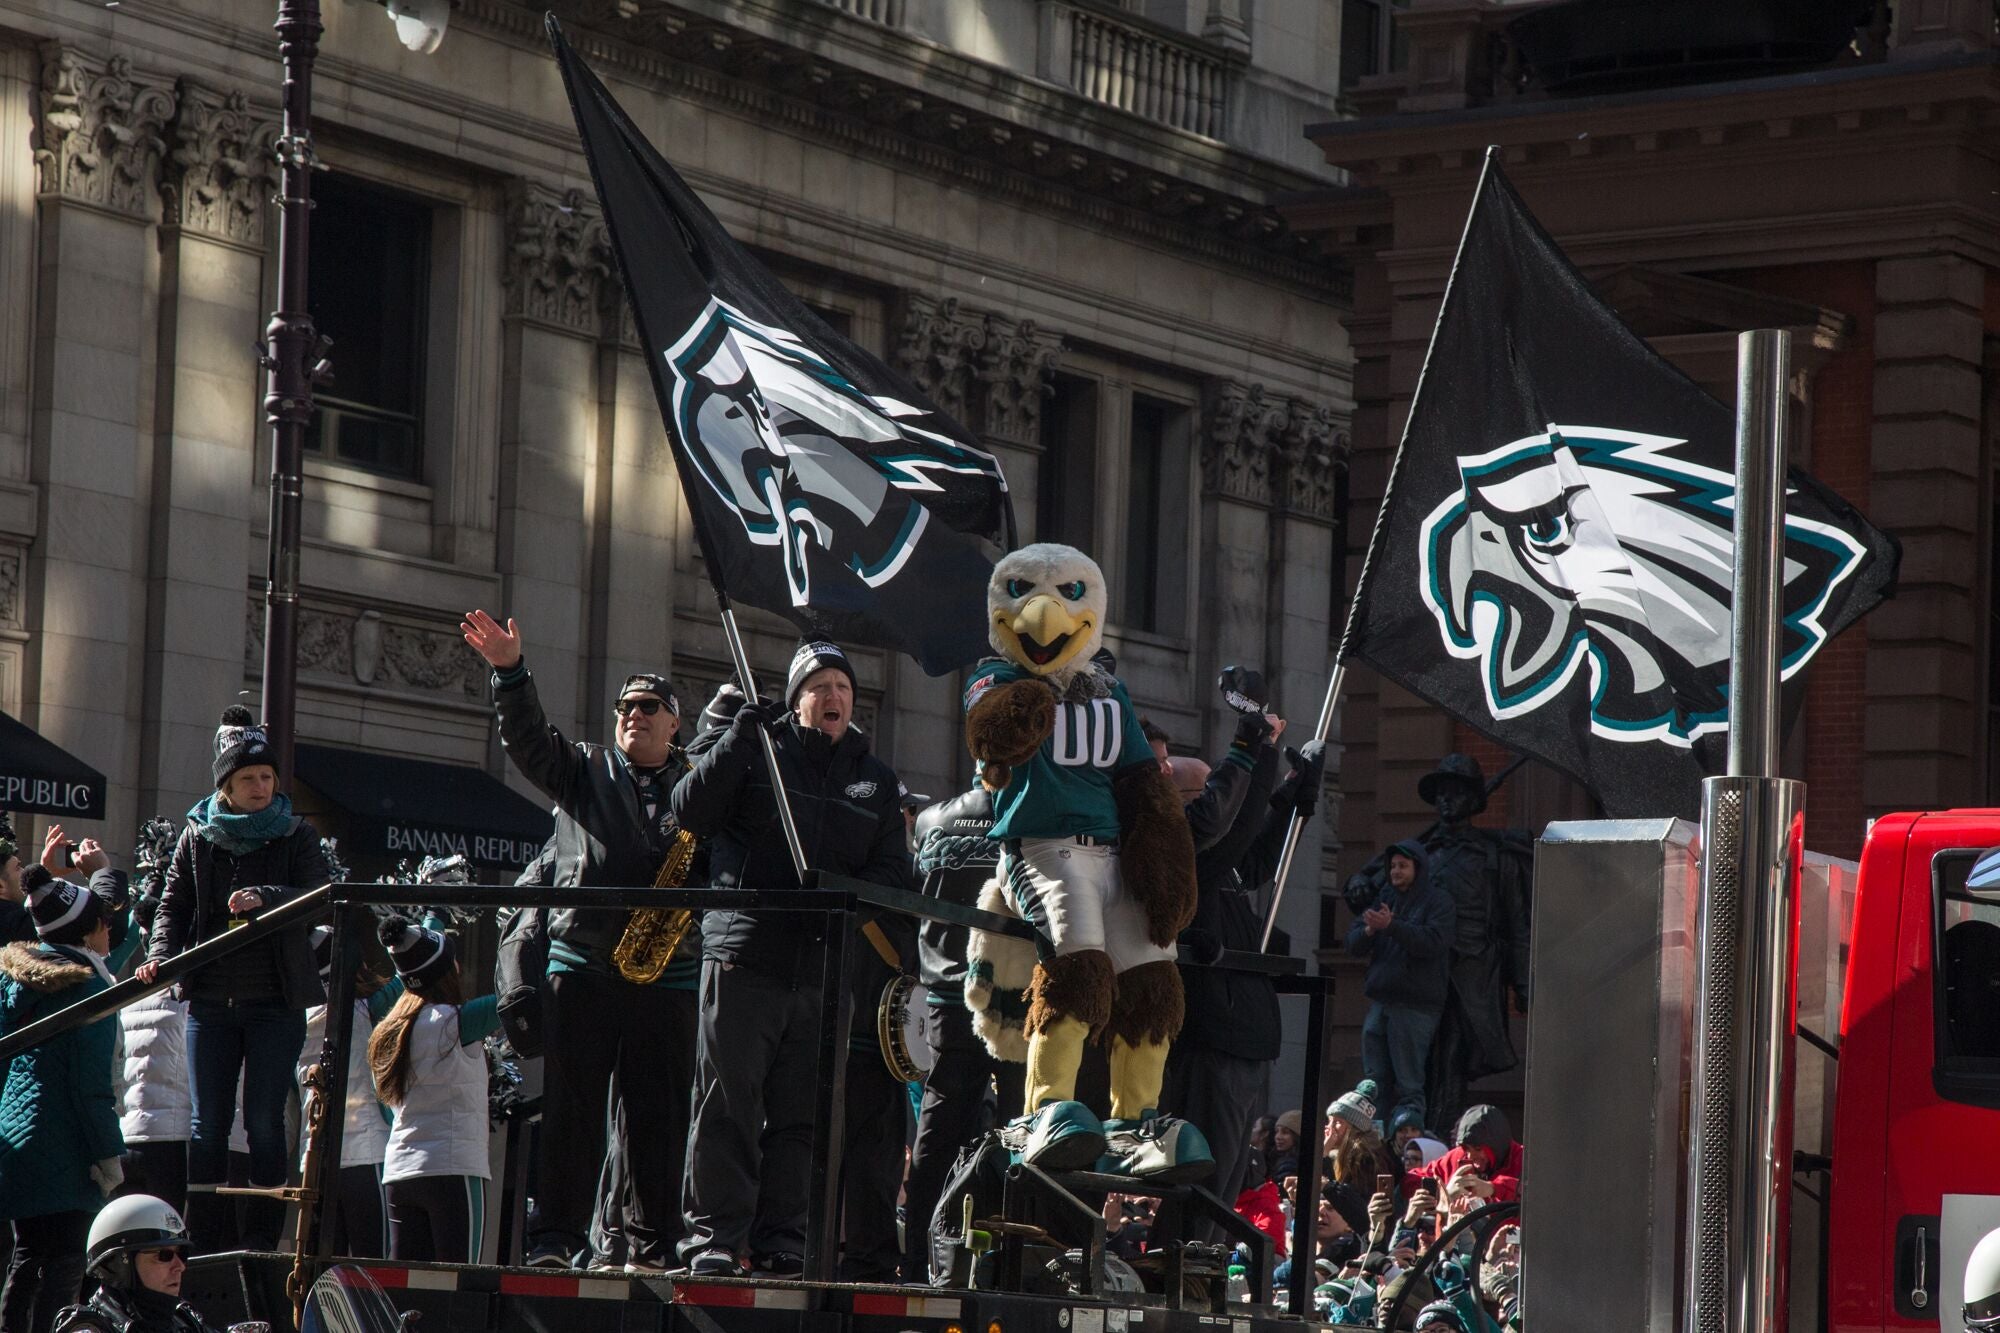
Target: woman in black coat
242	852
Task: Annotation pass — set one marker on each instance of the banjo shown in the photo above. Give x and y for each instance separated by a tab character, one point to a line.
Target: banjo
899	1016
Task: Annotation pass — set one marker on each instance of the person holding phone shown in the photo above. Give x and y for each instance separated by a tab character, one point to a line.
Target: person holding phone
1486	1163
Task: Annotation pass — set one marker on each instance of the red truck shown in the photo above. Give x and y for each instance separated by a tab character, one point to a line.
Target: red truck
1915	1175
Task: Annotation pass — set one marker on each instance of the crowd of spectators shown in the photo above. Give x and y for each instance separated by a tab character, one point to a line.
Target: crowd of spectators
1388	1214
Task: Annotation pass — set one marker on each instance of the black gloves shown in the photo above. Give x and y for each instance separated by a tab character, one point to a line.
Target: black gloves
1308	771
1252	730
764	715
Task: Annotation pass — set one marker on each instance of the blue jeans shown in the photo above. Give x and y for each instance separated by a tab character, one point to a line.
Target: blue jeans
259	1041
1395	1052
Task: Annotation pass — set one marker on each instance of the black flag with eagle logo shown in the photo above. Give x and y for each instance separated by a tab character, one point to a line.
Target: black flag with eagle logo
823	485
1553	559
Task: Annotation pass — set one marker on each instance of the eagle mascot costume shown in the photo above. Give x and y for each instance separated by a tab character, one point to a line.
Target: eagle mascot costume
1096	855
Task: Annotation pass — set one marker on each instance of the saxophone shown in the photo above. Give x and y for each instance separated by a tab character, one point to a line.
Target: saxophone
653	933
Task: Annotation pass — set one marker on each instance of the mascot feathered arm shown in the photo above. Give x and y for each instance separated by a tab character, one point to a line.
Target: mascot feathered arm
1006	725
1155	850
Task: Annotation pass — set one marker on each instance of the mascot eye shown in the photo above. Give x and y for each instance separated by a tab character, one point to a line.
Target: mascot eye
1549	533
1018	587
1073	591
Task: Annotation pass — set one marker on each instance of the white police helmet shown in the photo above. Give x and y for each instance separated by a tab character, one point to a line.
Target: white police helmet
1982	1285
126	1226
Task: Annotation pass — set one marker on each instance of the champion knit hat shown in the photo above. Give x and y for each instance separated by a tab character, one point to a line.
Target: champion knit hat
64	912
239	743
421	956
811	656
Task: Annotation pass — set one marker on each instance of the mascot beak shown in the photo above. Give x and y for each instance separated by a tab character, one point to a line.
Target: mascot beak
1047	631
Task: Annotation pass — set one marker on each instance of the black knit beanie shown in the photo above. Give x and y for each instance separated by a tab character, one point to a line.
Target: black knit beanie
64	913
810	657
421	956
239	743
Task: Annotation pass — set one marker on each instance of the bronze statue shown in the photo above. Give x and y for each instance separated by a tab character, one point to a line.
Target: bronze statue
1489	875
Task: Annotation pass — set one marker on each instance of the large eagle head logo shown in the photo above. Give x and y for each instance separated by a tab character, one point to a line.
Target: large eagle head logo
802	456
1606	552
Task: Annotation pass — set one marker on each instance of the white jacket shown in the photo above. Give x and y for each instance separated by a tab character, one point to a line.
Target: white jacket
155	1101
365	1137
441	1126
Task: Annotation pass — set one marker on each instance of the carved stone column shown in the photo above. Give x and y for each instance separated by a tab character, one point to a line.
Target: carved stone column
935	348
99	142
1239	441
555	266
1014	365
216	182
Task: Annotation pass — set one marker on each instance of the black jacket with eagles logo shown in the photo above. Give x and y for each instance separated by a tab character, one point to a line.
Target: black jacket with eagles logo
601	836
850	822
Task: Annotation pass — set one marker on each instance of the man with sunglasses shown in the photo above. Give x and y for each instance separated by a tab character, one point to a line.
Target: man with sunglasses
613	827
138	1254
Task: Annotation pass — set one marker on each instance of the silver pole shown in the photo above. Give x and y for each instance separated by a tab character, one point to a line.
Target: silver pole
1763	374
1298	825
748	681
1740	1112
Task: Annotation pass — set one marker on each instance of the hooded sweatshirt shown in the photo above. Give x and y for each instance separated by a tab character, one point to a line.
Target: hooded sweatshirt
1481	1127
1408	964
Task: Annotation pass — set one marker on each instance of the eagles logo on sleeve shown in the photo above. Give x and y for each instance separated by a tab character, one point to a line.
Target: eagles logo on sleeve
801	456
1604	552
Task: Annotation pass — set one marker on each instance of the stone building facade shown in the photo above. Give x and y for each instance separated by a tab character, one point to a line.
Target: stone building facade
1057	215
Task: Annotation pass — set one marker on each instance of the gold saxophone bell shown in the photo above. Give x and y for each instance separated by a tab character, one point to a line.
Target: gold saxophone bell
652	934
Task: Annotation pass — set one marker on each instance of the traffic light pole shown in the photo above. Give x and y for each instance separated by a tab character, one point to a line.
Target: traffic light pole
292	358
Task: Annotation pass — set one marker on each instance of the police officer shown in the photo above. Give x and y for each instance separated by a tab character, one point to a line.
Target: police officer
137	1251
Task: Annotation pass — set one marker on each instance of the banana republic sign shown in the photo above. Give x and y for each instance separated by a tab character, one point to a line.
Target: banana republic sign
388	808
39	777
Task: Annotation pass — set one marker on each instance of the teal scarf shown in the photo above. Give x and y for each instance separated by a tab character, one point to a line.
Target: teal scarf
240	834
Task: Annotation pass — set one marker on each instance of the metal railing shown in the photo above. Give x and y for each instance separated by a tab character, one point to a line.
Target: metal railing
834	898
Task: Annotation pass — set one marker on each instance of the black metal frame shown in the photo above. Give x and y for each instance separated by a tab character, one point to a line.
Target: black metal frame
834	897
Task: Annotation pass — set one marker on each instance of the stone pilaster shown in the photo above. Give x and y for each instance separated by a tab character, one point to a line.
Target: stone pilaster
554	267
1014	364
1921	738
99	143
936	346
215	186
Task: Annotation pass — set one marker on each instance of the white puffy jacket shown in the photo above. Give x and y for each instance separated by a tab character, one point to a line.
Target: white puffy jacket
441	1126
155	1100
365	1136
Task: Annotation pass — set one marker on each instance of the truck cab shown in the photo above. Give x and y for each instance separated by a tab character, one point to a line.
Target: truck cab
1915	1179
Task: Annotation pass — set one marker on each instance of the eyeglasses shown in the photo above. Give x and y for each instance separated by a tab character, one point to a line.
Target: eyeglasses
646	706
167	1256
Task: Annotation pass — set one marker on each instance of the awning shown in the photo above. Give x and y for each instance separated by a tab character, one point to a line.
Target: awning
39	777
403	807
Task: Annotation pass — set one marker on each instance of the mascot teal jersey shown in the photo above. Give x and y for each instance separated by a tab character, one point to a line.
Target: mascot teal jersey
1065	790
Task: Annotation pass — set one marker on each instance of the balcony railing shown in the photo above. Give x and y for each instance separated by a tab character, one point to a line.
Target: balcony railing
889	13
1150	71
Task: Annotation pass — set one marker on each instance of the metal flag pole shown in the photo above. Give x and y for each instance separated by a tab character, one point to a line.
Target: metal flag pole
1338	679
748	681
1740	1113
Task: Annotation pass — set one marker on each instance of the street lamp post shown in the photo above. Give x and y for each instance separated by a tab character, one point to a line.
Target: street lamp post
293	359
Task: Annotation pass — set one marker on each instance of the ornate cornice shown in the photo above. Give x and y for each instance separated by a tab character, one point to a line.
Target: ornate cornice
98	134
776	82
1271	450
985	370
221	170
374	651
557	264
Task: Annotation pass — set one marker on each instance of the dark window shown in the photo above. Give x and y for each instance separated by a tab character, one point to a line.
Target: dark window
1156	538
1369	43
840	321
1066	503
1966	985
369	284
